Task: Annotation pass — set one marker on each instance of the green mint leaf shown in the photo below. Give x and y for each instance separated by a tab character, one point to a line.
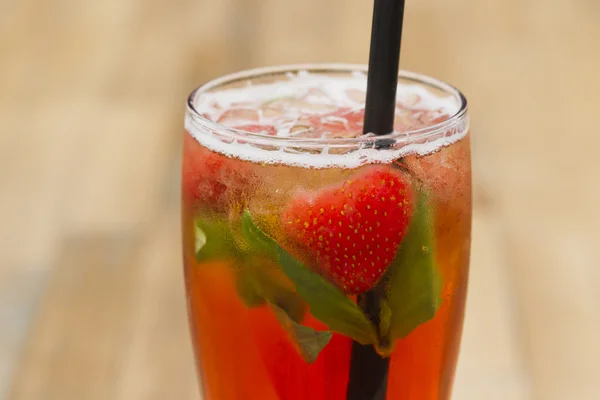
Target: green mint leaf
385	318
213	239
258	279
259	283
326	302
414	283
308	342
257	240
200	241
247	289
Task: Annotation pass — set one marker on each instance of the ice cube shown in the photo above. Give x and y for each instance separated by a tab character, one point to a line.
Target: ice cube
356	95
237	116
303	130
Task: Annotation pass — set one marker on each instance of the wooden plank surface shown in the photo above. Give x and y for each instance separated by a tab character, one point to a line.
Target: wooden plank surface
84	323
91	109
492	365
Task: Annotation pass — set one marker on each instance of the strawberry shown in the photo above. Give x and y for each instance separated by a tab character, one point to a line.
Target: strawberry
352	231
211	180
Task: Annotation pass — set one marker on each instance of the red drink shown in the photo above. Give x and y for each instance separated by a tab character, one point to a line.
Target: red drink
292	218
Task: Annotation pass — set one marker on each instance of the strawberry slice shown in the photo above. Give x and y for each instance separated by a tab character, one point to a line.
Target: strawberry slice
353	231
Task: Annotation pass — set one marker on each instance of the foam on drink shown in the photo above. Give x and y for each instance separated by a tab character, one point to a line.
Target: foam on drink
289	117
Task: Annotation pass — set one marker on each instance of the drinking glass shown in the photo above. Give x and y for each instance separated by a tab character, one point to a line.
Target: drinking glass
320	262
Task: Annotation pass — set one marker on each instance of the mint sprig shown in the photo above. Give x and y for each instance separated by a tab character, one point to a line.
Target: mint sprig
410	292
309	342
259	279
414	283
327	303
213	239
259	284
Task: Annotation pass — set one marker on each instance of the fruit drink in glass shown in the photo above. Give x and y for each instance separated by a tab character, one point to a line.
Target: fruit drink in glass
291	215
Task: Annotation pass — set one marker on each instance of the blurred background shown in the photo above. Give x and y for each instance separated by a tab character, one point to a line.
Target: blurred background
91	117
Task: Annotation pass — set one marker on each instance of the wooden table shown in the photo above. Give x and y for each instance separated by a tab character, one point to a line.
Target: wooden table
91	111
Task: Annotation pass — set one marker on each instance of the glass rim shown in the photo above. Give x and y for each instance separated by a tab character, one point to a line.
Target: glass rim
404	137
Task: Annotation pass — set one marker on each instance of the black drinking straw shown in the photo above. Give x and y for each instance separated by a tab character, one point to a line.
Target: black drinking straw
368	370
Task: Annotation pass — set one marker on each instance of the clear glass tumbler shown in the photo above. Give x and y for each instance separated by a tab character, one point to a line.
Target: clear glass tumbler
321	263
